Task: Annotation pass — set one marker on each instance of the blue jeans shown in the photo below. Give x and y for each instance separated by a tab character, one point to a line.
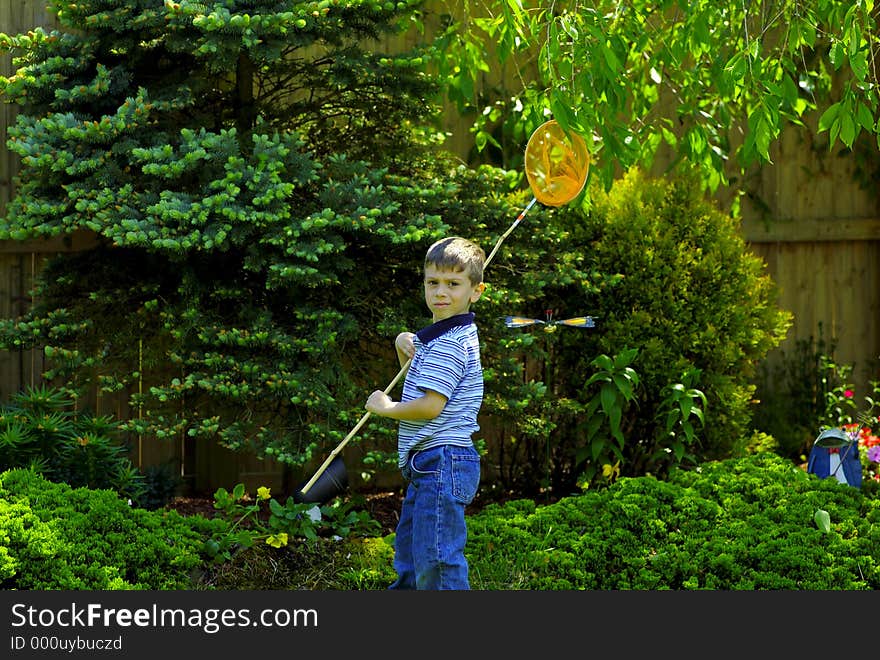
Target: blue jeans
431	535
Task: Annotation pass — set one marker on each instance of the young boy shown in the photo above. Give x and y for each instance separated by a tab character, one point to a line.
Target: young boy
437	411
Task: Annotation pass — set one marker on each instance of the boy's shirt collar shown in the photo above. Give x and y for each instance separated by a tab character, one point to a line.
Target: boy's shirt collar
431	332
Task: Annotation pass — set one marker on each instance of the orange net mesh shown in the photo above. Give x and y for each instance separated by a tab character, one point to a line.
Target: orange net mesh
556	164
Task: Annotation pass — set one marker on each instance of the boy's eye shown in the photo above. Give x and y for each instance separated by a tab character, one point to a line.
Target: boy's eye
450	283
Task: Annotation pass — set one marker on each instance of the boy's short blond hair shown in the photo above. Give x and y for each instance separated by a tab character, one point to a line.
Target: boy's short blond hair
457	254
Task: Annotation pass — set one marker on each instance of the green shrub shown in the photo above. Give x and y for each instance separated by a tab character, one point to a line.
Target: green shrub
692	295
665	274
53	536
41	428
737	524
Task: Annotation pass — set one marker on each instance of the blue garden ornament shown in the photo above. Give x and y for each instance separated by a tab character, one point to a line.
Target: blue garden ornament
835	453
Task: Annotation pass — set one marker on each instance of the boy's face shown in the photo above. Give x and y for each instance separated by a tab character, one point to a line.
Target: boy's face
449	292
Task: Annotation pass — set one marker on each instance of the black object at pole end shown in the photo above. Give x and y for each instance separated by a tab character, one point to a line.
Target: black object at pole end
332	482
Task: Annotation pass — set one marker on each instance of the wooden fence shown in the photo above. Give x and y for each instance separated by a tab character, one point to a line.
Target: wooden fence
807	216
822	248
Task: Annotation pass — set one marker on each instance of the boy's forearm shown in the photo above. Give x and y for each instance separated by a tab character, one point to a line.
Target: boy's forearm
425	407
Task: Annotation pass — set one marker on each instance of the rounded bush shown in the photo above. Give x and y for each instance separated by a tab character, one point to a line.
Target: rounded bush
663	272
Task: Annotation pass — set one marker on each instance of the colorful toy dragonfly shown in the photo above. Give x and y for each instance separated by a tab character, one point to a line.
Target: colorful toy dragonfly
549	324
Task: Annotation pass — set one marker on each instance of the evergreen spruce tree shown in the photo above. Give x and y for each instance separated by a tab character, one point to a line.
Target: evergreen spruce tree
260	186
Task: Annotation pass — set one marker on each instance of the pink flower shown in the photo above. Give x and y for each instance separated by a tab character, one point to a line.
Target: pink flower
848	394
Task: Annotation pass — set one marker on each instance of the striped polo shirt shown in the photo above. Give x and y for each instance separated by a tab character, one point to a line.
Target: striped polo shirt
447	361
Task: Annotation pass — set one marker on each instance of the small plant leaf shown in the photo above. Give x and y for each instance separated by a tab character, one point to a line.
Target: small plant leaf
823	520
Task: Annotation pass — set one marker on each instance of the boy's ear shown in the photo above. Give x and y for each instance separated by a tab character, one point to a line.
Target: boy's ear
478	291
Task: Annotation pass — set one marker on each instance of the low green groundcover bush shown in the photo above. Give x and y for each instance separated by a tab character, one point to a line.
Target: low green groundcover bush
738	524
55	537
751	523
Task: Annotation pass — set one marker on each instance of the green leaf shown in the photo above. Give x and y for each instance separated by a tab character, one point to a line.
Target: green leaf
593	425
686	407
806	33
837	55
763	137
848	130
823	520
561	109
609	399
866	118
829	117
625	357
596	447
611	59
624	386
516	9
736	67
789	90
858	62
